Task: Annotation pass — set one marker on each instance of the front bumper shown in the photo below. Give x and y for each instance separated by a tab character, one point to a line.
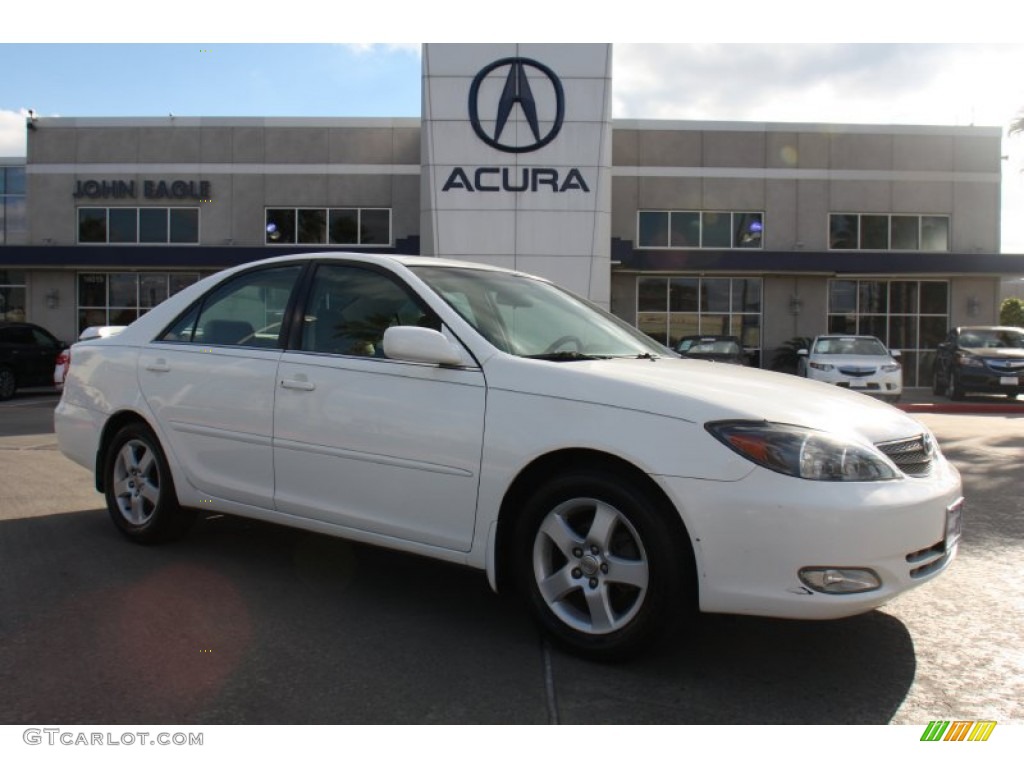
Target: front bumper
977	379
752	537
889	384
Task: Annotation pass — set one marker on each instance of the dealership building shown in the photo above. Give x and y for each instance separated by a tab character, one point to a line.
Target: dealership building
766	231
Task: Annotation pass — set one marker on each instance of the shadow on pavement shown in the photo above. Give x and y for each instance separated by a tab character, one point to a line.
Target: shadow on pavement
245	622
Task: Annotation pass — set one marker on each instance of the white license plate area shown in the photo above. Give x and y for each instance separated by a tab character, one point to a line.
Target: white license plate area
858	385
954	524
1012	381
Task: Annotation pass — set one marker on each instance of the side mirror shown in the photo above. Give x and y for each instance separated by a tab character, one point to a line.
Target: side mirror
420	345
895	353
803	352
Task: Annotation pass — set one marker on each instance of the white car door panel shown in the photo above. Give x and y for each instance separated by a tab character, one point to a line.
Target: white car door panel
383	446
215	406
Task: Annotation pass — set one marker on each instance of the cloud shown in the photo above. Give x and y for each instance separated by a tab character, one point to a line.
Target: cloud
846	83
376	48
12	132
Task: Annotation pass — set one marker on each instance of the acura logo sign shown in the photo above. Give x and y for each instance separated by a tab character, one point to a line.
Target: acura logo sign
517	91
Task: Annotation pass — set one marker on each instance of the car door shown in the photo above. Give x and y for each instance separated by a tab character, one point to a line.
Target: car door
31	353
362	441
209	379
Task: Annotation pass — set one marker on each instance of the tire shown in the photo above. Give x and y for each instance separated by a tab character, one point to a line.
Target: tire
8	383
954	391
139	488
599	565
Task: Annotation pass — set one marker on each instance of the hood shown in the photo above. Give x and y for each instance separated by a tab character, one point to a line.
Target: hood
1006	352
700	391
853	361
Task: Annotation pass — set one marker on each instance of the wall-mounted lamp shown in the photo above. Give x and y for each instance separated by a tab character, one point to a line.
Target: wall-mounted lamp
796	305
30	122
973	306
53	299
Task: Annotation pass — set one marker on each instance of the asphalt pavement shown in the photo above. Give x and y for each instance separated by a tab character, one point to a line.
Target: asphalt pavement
245	622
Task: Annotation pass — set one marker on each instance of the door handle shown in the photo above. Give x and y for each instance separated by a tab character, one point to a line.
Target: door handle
158	366
300	383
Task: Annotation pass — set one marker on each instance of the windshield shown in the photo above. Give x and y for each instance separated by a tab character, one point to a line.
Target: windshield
710	347
850	346
531	318
992	338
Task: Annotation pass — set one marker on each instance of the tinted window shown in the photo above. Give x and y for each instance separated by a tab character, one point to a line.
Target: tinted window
248	310
349	309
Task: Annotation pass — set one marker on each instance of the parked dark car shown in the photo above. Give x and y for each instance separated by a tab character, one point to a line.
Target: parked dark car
721	349
28	354
980	359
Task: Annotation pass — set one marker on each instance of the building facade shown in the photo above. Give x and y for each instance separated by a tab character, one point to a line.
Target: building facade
764	231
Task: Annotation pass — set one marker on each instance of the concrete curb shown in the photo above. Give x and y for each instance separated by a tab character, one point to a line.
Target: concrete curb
953	408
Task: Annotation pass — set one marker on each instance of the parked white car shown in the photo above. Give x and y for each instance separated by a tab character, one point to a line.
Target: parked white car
860	363
60	369
489	418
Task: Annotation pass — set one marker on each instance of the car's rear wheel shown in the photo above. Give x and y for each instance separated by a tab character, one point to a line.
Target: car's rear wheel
140	491
8	383
599	564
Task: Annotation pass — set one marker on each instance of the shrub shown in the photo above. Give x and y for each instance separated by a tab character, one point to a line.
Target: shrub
1011	312
786	357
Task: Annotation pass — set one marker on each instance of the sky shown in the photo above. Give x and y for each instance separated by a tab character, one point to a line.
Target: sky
878	65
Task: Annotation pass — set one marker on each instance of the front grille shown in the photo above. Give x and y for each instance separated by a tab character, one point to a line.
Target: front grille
1002	365
931	560
857	371
913	456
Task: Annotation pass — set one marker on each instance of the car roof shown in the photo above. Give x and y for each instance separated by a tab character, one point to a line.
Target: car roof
22	324
989	328
847	336
385	258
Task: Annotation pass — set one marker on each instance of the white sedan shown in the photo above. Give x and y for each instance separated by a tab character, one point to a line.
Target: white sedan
489	418
860	363
60	369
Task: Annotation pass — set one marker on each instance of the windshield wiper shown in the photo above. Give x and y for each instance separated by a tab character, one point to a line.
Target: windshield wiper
565	356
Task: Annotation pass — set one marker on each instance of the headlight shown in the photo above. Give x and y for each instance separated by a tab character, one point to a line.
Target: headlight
969	361
822	366
890	367
802	452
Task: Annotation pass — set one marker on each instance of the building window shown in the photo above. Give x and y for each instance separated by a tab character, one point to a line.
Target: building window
337	226
179	226
669	308
887	232
13	217
119	298
909	315
699	229
12	295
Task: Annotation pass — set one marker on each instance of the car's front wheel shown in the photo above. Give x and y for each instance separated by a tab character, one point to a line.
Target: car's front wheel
599	563
954	390
140	491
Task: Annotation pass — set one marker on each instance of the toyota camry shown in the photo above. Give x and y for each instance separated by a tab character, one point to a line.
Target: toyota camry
490	418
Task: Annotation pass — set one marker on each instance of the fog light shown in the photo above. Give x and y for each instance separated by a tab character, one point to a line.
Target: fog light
841	581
